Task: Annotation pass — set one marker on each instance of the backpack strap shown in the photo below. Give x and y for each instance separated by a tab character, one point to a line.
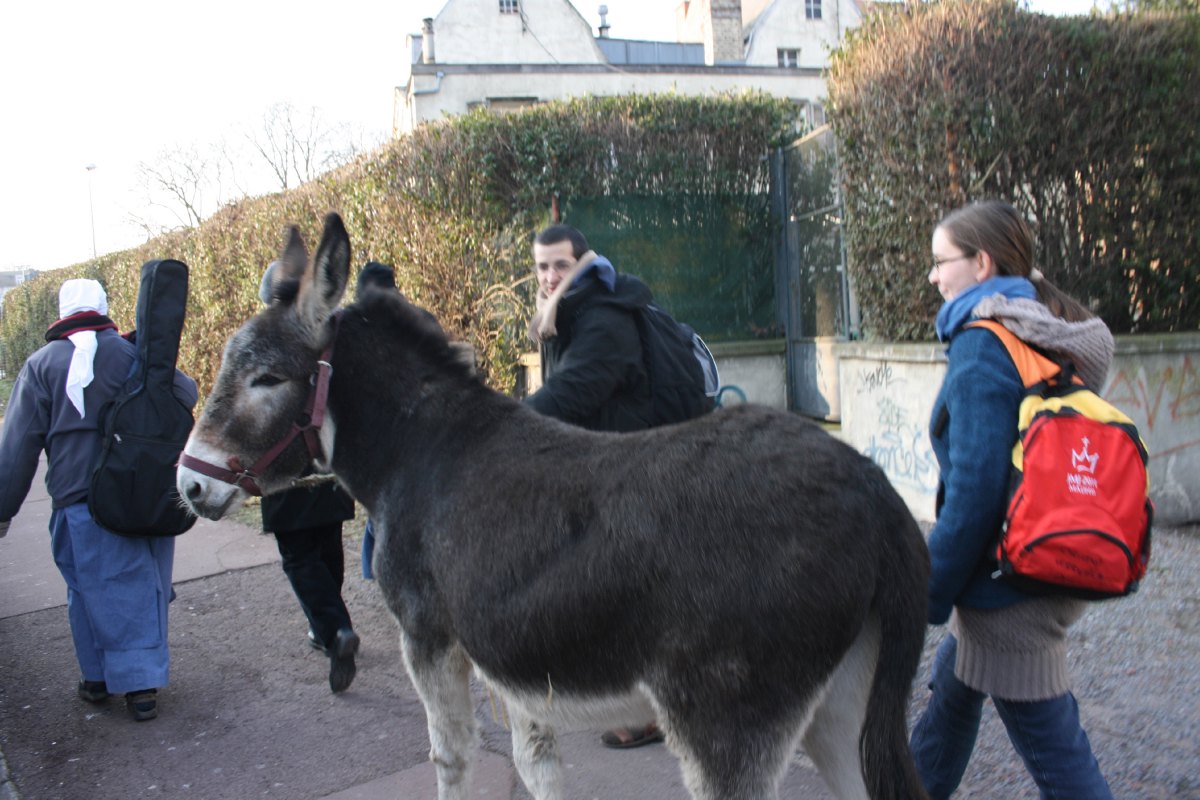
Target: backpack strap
1033	367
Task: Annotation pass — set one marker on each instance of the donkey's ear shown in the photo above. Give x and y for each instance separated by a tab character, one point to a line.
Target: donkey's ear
323	287
294	257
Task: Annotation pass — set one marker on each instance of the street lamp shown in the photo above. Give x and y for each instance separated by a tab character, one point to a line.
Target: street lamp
92	208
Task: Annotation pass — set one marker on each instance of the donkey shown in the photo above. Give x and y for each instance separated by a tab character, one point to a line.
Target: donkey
743	578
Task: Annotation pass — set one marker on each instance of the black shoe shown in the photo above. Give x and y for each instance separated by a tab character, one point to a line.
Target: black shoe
93	691
315	643
341	660
142	704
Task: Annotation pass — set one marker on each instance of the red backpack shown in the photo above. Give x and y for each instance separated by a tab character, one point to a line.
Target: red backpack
1079	515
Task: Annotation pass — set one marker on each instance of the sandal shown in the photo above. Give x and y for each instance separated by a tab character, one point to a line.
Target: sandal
143	704
625	738
93	691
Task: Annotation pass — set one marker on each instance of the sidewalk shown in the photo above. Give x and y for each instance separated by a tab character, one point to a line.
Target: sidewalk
248	712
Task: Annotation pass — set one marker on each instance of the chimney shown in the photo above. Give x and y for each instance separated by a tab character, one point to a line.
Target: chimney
604	22
723	37
427	41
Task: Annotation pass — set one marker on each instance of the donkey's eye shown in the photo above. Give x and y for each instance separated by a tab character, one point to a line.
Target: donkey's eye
267	380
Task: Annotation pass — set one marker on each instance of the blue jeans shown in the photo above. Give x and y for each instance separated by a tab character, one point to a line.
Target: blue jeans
368	550
1046	734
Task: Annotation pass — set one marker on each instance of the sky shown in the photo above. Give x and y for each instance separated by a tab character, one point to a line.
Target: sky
115	84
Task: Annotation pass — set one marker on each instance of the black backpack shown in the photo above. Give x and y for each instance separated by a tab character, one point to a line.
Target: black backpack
683	374
144	428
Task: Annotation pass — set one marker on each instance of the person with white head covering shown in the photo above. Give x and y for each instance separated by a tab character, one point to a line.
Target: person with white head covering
118	588
81	297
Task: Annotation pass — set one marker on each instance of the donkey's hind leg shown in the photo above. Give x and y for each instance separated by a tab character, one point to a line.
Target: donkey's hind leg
536	756
831	740
442	679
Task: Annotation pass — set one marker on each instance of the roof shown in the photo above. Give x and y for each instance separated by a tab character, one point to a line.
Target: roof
638	51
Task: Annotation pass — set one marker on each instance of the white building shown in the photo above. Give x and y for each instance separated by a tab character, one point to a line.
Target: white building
505	54
11	278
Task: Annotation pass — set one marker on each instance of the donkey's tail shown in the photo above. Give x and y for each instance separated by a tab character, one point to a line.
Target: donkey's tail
900	601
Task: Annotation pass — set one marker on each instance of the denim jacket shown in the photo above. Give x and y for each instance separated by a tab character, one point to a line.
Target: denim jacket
972	429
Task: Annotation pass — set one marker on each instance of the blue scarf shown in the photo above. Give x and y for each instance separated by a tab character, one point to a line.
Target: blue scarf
957	312
604	271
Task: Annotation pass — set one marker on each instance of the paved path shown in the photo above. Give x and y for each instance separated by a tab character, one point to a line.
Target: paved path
248	712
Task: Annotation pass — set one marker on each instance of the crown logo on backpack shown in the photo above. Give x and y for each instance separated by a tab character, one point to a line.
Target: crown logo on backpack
1083	461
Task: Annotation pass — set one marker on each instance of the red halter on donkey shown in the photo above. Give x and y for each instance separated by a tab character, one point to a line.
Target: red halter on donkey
308	424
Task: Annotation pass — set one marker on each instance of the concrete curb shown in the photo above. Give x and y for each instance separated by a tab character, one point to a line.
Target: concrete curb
8	791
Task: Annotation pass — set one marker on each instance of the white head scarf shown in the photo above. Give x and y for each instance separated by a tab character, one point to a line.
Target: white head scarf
75	296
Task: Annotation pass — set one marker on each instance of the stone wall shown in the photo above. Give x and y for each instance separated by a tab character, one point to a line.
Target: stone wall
887	393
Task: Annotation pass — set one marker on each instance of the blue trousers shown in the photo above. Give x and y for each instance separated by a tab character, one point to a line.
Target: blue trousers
118	589
368	551
1046	734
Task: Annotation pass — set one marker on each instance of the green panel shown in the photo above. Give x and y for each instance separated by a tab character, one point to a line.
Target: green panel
708	260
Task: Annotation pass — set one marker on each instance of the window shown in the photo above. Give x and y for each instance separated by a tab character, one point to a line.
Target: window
502	105
816	115
513	6
812	9
788	57
811	116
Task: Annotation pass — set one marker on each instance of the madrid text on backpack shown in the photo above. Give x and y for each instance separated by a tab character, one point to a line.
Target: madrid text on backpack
1079	514
683	373
144	428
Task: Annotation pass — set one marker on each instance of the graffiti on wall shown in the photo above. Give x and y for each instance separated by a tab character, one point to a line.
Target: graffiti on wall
878	377
1166	396
899	441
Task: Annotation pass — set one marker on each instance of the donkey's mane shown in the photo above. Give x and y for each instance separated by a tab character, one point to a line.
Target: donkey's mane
411	324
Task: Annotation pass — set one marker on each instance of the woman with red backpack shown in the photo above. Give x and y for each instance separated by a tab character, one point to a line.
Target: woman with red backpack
1003	643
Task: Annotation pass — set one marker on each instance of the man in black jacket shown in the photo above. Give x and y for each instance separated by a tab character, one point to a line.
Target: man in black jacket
593	369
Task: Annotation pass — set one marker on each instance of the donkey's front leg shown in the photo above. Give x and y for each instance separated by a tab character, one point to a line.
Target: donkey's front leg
536	756
442	679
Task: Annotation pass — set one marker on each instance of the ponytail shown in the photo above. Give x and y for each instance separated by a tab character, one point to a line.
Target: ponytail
1059	302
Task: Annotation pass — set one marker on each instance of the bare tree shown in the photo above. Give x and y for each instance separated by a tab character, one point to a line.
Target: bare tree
298	145
184	183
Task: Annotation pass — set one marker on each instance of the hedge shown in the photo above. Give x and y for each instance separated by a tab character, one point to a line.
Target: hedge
453	206
1089	125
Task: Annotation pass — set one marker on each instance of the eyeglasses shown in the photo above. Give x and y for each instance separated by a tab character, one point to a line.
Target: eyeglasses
937	265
